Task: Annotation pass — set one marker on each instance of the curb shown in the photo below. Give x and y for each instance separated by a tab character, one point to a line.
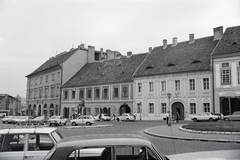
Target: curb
207	132
190	139
84	127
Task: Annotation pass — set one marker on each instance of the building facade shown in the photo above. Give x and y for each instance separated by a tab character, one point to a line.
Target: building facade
176	77
105	86
9	105
226	69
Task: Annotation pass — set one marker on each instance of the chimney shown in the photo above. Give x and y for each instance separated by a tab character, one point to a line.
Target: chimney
150	49
164	44
174	42
217	33
129	53
91	54
81	46
191	38
101	54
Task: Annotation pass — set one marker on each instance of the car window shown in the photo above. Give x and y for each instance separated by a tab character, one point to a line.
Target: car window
12	142
39	142
57	136
94	153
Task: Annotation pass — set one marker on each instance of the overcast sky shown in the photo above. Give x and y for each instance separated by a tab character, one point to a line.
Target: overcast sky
32	31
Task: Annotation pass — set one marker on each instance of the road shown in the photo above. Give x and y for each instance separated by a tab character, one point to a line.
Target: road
167	146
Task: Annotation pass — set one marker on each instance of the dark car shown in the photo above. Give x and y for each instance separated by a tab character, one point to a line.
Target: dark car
105	147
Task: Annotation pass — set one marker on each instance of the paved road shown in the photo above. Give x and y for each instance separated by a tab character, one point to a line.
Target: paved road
167	146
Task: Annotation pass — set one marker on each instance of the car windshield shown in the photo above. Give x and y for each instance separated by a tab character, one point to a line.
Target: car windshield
55	117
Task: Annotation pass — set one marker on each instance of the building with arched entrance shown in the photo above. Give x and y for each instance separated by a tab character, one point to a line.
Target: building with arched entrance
106	86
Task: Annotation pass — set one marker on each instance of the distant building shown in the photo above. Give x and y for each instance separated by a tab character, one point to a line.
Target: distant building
9	104
226	71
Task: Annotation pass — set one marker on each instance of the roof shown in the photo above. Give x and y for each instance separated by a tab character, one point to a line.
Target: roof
103	140
54	61
110	71
27	130
184	57
230	42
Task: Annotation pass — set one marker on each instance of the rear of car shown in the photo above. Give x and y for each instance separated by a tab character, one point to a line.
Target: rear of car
83	120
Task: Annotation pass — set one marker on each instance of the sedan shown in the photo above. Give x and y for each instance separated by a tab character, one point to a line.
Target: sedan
83	119
126	117
105	147
8	119
234	117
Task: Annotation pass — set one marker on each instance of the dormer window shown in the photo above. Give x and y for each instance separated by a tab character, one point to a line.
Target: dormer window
170	64
196	61
149	67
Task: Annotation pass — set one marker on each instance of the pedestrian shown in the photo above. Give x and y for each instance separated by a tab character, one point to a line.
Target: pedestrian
134	115
177	117
167	117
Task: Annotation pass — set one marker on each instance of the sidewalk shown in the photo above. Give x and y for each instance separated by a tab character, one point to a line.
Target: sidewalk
173	132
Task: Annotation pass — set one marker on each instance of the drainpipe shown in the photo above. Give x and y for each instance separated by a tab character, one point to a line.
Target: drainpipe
60	94
213	92
28	85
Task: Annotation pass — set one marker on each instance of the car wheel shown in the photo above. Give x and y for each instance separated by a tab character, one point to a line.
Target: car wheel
65	123
211	119
127	119
194	119
3	122
74	123
88	123
50	124
226	119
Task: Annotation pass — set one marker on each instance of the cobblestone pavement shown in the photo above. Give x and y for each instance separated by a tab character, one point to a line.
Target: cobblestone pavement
167	146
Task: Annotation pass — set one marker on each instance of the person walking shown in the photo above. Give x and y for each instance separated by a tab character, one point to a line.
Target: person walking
177	117
167	117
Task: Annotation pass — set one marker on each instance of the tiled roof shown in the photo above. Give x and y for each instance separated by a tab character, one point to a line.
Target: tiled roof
230	42
110	71
53	62
184	57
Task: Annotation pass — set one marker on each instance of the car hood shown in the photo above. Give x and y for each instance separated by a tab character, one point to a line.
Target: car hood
208	155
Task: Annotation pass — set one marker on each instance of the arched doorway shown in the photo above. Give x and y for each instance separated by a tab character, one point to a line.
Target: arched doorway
34	110
178	107
51	110
45	110
124	109
226	101
39	110
56	110
66	112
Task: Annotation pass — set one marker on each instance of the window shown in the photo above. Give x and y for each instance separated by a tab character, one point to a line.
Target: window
36	142
205	83
177	85
53	77
192	84
66	95
124	91
35	93
105	93
150	86
206	107
89	93
40	92
238	69
36	81
115	92
139	87
58	75
46	78
192	108
81	94
52	91
73	94
164	86
164	107
225	74
151	108
139	106
97	93
40	80
46	92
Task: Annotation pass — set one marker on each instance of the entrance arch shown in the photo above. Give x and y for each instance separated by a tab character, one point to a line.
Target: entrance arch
51	110
124	109
178	107
45	110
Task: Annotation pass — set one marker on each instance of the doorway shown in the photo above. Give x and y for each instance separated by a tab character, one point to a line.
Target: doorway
124	109
178	107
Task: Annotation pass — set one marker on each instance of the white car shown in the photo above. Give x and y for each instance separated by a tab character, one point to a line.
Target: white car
21	119
27	143
8	119
102	116
234	117
57	120
83	119
126	117
205	117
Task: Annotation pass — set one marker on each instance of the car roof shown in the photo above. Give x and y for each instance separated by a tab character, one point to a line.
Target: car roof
27	130
103	140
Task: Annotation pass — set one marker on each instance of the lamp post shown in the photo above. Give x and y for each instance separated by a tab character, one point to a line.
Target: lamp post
170	115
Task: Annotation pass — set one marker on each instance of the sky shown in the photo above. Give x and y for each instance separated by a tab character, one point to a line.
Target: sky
32	31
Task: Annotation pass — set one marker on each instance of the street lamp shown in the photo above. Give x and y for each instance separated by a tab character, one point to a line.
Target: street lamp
170	115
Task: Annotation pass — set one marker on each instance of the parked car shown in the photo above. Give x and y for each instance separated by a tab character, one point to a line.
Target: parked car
105	147
27	143
57	120
205	117
126	117
21	119
83	119
8	119
40	120
102	116
234	117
